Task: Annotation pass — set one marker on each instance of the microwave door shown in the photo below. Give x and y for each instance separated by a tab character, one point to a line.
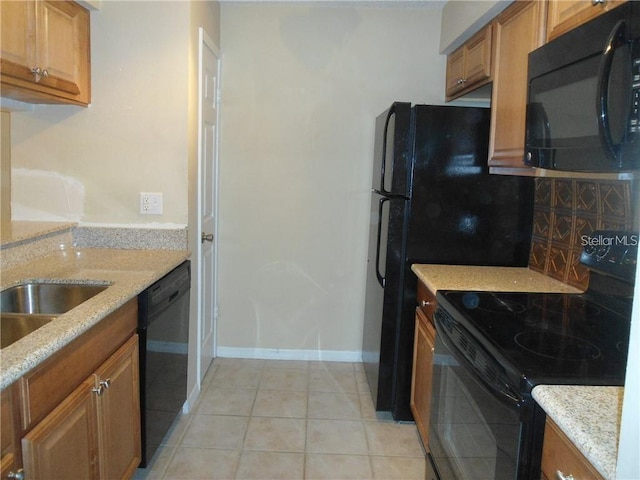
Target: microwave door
539	151
614	92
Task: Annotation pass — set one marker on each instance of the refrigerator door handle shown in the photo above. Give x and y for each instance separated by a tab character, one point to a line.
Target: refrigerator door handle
381	279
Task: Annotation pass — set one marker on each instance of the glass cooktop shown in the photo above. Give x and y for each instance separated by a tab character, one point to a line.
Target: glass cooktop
546	338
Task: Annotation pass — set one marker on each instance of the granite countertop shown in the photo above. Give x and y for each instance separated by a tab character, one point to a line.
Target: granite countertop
492	279
589	417
128	272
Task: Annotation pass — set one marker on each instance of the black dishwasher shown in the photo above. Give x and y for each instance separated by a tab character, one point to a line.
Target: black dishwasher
163	329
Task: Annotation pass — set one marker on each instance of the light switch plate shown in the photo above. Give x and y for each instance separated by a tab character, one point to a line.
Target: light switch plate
151	203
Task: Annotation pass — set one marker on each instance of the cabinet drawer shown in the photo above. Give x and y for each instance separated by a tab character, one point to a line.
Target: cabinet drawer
426	301
44	387
559	454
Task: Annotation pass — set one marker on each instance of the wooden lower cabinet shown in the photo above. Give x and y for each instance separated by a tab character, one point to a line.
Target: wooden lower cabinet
77	414
95	432
65	444
561	457
421	377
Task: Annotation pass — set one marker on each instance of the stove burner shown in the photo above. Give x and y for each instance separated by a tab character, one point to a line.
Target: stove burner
553	345
557	305
491	303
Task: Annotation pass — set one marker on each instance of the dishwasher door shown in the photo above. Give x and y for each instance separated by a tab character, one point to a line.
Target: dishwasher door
163	328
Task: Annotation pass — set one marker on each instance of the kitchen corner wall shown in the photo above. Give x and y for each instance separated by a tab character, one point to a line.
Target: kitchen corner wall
567	209
89	164
302	84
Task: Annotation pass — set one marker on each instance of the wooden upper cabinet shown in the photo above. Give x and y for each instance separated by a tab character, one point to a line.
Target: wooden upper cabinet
518	31
564	15
45	52
469	66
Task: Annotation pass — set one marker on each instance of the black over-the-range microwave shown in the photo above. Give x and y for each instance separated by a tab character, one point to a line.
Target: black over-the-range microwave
583	108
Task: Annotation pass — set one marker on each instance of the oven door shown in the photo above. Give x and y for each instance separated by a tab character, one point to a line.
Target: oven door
480	428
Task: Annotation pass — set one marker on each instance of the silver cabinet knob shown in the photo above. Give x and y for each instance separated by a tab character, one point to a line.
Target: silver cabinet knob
105	383
425	303
598	2
206	237
18	475
39	74
562	476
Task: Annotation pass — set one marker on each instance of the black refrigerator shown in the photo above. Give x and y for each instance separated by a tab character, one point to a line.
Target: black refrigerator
433	201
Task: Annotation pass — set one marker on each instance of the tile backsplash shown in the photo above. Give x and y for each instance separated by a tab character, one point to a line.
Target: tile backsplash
567	209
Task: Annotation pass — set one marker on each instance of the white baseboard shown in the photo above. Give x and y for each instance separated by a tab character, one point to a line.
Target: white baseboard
290	354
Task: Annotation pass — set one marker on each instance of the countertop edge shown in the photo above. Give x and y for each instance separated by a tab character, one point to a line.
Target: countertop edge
589	416
129	273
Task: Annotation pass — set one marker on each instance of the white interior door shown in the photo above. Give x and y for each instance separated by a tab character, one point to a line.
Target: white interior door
209	71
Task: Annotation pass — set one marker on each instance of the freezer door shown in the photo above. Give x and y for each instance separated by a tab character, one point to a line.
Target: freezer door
393	150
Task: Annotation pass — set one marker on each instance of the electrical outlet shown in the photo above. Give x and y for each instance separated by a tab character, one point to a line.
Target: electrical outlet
151	203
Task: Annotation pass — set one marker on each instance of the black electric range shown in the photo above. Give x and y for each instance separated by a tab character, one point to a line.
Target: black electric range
548	338
493	348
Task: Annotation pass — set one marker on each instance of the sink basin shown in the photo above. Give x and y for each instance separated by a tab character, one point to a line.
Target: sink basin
46	298
14	326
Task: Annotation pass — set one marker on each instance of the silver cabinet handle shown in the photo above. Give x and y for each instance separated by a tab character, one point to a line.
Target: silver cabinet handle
206	237
18	475
562	476
39	74
105	383
461	81
425	303
99	390
598	2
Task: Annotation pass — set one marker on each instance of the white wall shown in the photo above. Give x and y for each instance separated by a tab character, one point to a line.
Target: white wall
301	87
132	138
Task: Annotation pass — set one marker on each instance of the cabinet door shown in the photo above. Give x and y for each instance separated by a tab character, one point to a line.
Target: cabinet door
62	44
518	31
421	381
469	67
119	413
478	63
9	413
561	457
17	49
565	15
65	444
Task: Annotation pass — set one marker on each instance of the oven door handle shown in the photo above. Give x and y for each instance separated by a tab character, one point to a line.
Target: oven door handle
503	391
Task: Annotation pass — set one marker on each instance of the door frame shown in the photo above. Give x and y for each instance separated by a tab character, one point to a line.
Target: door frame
205	41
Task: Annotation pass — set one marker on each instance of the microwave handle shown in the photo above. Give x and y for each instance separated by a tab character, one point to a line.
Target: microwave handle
616	38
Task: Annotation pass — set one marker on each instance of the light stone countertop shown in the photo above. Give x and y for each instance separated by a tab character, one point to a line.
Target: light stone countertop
589	417
128	272
17	231
488	279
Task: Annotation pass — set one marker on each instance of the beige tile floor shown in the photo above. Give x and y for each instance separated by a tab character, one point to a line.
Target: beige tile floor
269	419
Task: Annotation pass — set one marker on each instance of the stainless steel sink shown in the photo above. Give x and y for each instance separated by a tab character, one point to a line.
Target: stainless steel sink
27	307
46	298
14	326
